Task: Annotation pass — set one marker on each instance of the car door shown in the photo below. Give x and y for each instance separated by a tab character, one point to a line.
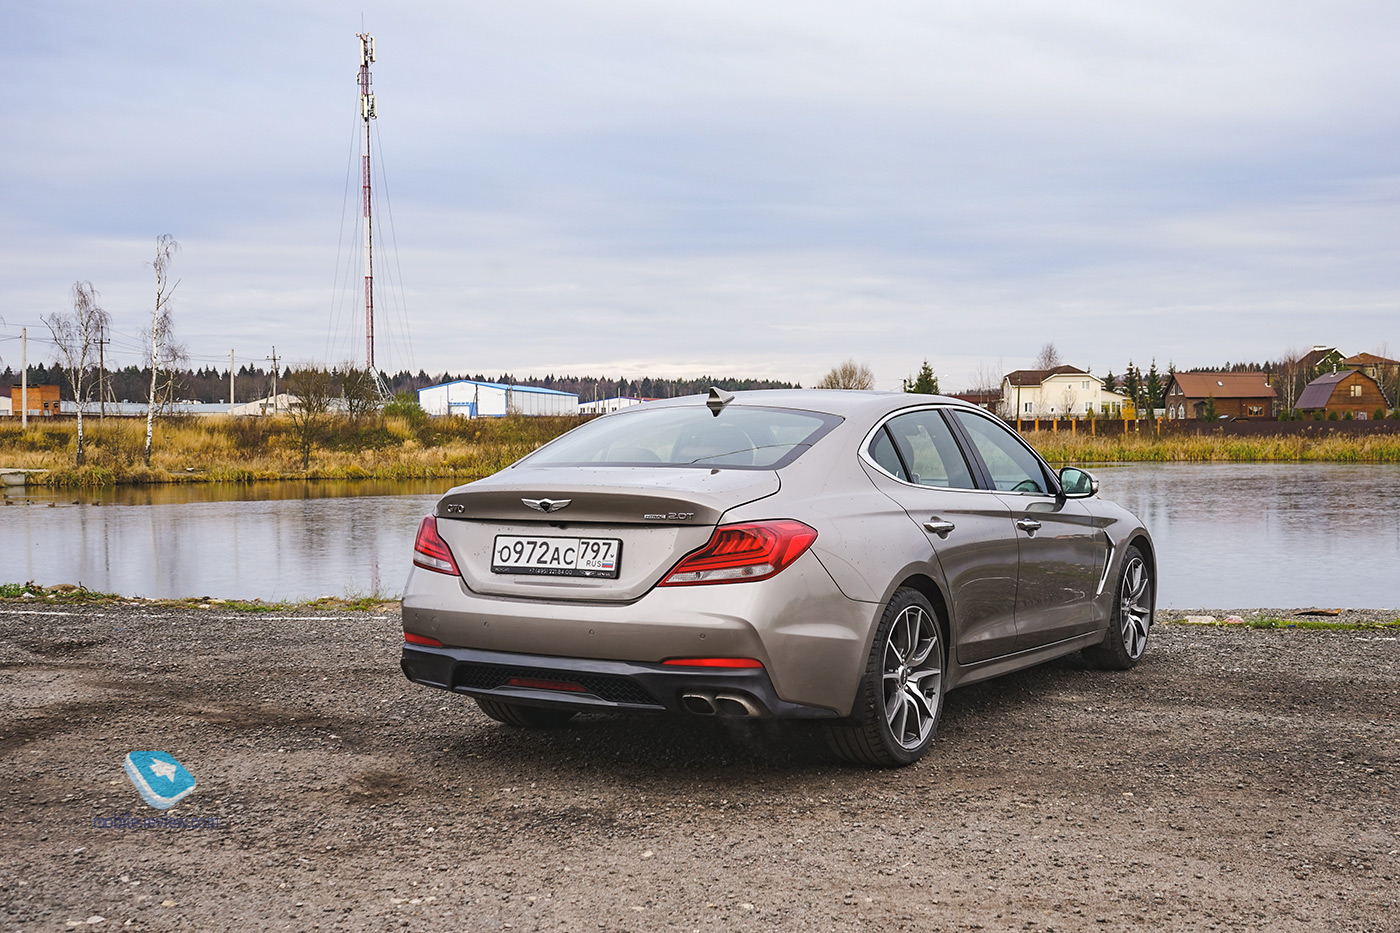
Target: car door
914	459
1061	552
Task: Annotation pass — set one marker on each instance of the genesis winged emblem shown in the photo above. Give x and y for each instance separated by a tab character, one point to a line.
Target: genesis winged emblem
546	505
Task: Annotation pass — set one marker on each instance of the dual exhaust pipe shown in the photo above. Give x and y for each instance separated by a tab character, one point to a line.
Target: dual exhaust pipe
721	704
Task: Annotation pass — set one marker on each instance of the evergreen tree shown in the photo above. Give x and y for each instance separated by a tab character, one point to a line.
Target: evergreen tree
1132	384
1110	383
925	383
1156	391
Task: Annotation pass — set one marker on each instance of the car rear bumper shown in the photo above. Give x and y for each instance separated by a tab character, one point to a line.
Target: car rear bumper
585	684
811	640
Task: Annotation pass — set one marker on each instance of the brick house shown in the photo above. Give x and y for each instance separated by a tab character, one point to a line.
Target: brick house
1350	390
1238	395
43	401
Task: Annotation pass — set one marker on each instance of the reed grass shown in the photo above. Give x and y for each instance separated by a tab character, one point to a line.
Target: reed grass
1063	447
401	447
241	450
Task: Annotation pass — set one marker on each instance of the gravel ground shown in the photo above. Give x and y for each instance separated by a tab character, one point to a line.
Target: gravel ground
1237	779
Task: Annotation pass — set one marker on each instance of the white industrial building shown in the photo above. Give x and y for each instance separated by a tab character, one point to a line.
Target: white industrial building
603	406
470	399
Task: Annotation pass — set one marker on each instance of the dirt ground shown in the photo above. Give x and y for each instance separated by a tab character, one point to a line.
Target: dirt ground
1237	779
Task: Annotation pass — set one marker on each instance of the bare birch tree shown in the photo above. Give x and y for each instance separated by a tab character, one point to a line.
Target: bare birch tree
1048	358
76	335
161	323
848	375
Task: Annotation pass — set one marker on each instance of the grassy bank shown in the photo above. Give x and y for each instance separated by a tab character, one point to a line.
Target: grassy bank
1064	447
224	449
413	446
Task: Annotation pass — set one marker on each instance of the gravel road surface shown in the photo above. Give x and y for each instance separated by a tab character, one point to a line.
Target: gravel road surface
1237	779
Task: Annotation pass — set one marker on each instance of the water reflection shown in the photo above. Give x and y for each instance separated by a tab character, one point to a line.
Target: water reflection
272	541
1228	535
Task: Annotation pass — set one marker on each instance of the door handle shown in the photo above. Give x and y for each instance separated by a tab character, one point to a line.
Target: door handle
1029	525
939	528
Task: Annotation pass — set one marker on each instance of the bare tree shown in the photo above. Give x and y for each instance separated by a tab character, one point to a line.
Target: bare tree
358	390
1290	378
848	375
76	335
1048	358
313	392
160	333
1388	375
1067	399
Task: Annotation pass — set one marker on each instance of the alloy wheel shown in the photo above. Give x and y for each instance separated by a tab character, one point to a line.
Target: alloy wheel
1135	607
913	675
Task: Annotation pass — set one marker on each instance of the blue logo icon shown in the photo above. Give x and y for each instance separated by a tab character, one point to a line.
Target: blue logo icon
160	780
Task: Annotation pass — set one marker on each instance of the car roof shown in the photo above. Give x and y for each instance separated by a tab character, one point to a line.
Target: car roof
842	402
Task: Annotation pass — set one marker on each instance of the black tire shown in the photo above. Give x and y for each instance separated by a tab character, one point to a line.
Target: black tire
901	695
525	717
1126	639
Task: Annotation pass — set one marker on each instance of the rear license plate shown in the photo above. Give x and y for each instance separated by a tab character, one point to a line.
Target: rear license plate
559	557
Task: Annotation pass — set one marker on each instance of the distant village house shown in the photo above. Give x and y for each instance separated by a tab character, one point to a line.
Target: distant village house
1347	391
1062	392
1236	395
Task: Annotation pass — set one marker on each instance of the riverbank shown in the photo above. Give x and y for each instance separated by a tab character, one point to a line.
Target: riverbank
1234	778
1309	617
414	446
242	450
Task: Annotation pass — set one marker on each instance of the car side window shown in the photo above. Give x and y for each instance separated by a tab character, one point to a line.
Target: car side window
926	444
882	452
1014	468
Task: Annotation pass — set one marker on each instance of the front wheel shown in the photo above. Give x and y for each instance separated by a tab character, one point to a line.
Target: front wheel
525	717
1126	638
901	695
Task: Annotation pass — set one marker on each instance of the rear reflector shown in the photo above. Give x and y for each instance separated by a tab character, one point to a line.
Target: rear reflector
431	552
545	684
714	662
744	553
413	639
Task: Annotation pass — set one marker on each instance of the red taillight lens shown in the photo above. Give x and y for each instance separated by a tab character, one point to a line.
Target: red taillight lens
414	639
744	553
749	663
431	552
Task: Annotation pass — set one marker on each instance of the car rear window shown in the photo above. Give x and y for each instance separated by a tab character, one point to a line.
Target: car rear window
739	437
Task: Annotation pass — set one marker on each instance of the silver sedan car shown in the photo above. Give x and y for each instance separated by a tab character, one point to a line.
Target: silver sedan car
847	557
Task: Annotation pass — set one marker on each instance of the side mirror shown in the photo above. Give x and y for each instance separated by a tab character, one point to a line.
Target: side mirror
1078	484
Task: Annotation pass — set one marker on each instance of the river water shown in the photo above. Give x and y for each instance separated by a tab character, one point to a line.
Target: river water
1228	535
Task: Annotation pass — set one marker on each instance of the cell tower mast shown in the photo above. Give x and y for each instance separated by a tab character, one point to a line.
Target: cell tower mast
366	115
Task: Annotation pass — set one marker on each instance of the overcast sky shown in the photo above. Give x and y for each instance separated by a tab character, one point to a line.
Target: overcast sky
726	188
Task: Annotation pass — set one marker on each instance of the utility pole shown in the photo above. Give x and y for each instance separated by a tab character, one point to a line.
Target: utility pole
24	378
230	379
102	342
273	357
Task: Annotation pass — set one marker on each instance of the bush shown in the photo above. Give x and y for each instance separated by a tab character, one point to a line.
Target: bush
1379	414
1332	416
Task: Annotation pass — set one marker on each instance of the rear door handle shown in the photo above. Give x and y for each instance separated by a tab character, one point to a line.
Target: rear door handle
1028	525
939	528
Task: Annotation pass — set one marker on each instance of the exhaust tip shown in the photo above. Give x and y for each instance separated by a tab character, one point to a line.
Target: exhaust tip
699	704
730	704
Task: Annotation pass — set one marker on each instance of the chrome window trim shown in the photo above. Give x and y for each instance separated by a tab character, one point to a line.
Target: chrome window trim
1051	475
864	453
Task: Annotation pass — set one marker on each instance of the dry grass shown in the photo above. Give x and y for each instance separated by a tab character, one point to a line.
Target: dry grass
1063	447
221	449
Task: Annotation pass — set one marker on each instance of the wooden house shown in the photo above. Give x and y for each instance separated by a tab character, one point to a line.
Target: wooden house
1237	395
1349	390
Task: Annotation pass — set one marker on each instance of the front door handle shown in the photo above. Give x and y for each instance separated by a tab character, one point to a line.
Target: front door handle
1029	525
939	528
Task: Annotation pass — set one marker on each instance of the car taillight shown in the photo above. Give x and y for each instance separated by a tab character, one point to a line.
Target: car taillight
431	552
414	638
744	553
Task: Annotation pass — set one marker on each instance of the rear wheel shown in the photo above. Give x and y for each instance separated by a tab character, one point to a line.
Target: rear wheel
1126	638
525	717
901	695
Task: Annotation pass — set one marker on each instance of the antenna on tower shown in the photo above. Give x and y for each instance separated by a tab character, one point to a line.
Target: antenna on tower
367	114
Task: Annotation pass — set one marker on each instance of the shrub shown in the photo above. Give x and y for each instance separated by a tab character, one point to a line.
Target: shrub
1379	414
1332	416
1348	416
